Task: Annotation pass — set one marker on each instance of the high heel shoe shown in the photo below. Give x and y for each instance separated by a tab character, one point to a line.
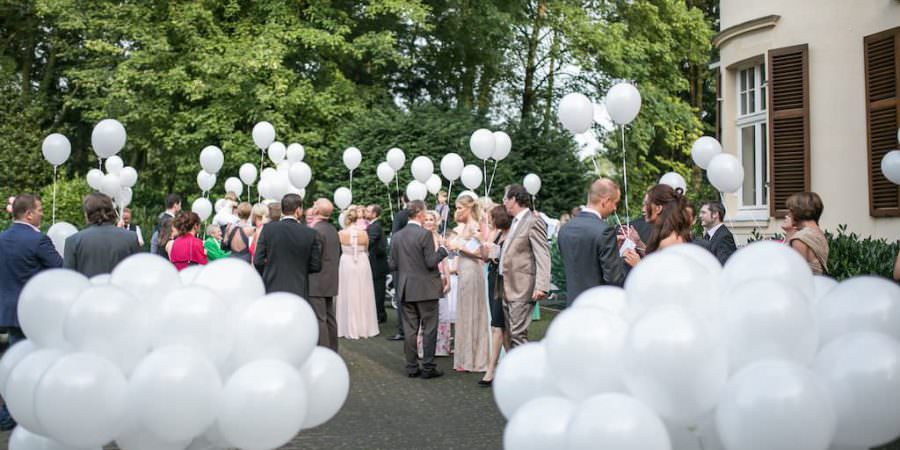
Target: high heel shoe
485	383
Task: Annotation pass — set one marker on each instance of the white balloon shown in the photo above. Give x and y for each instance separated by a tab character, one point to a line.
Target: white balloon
669	278
110	184
385	172
576	112
471	176
451	166
195	317
608	298
532	183
146	277
211	159
434	184
268	173
128	176
56	149
202	207
263	405
416	190
280	184
174	393
395	158
865	303
233	280
704	150
58	233
862	374
66	400
701	256
11	358
775	405
725	173
422	168
263	135
822	285
616	421
95	179
123	197
276	152
300	174
502	146
482	143
521	376
295	153
44	302
327	383
343	197
205	180
141	439
100	280
352	158
189	273
247	172
890	166
233	184
22	439
114	165
104	321
764	319
674	364
278	326
22	384
675	180
769	261
108	138
623	102
584	348
539	424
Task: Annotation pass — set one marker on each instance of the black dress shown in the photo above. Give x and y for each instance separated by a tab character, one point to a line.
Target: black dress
495	290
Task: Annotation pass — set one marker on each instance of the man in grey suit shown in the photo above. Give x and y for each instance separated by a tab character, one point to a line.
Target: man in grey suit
323	286
588	244
98	248
415	260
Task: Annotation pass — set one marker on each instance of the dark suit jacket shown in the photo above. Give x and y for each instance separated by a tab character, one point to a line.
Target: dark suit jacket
23	253
722	244
588	248
325	282
98	249
286	253
414	258
377	249
401	218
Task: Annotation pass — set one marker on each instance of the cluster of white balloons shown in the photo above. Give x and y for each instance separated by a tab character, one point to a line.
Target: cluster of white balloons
758	354
289	176
158	359
724	170
486	144
576	111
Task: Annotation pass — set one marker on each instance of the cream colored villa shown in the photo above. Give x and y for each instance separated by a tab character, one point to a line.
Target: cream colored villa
809	99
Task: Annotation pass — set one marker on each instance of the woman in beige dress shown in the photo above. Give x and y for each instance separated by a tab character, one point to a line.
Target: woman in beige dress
472	341
804	211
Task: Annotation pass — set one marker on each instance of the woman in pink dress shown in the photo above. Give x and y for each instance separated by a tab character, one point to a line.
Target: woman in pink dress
187	249
355	302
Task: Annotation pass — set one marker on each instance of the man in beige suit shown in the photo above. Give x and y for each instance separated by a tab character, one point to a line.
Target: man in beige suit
524	264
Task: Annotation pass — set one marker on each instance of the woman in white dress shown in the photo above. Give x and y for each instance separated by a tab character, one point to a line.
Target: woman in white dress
355	303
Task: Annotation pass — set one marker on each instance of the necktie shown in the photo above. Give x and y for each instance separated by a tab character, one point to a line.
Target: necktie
706	236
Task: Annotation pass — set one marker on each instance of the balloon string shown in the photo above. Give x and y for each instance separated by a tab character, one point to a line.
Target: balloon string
625	178
258	194
484	175
494	172
54	195
449	196
399	200
387	191
351	180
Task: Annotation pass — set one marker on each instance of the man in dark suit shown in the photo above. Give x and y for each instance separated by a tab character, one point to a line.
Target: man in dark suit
588	245
400	220
323	285
719	238
173	206
24	251
377	257
419	287
288	251
100	247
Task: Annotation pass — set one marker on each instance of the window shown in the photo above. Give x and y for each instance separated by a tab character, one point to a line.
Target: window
753	135
882	68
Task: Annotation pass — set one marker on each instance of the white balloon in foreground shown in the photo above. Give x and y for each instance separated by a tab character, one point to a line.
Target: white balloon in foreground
263	135
295	153
865	303
675	180
11	358
471	176
328	383
608	298
482	143
342	197
22	439
107	321
502	146
623	102
422	168
770	261
44	302
532	183
704	150
576	112
352	157
108	138
385	172
725	173
202	207
211	159
890	166
451	166
616	421
278	326
434	184
521	376
233	184
56	149
416	190
539	424
584	348
22	384
396	158
58	233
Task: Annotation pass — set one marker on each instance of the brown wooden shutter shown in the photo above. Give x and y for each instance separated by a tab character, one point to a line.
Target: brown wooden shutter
882	60
788	125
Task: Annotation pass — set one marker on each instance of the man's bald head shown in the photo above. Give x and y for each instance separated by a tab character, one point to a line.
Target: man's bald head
324	207
604	196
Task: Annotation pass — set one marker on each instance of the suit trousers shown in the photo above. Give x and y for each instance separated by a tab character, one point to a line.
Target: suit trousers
400	320
422	314
518	318
379	282
324	309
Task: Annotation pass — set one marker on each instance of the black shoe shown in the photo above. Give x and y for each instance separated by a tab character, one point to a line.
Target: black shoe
396	337
433	373
382	319
415	374
485	383
7	423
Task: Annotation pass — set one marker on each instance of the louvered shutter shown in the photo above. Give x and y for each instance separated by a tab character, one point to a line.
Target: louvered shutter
882	66
788	125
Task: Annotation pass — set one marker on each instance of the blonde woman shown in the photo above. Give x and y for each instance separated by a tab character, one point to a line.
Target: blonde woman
355	303
472	341
259	216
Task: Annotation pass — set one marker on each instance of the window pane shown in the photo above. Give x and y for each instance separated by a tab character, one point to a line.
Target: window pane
743	103
762	98
764	151
751	97
751	82
748	158
743	80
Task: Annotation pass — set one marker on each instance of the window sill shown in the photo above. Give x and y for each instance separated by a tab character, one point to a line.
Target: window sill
752	217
